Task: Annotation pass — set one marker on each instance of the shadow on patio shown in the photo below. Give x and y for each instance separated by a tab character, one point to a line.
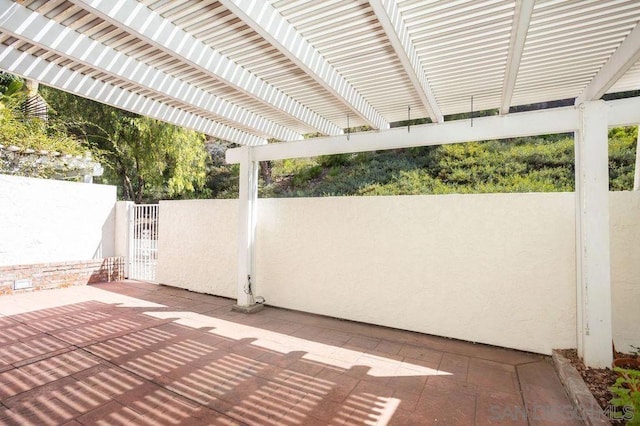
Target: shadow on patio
137	353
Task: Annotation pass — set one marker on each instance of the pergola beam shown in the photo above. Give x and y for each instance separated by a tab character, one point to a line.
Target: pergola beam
137	19
264	19
390	18
57	38
558	120
620	112
625	56
519	29
623	112
31	67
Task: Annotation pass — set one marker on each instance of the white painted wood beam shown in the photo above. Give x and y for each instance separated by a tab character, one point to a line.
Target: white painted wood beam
625	56
137	19
25	24
247	216
29	66
519	29
593	266
390	18
557	120
623	112
264	19
620	112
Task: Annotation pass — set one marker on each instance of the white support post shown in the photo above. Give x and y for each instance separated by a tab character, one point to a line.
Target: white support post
636	176
594	330
247	214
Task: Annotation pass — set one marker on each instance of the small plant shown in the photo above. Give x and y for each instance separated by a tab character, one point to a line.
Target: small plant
626	391
306	175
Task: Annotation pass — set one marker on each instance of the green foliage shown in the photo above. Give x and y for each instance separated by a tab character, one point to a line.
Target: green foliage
147	159
336	160
28	133
306	175
289	167
222	178
10	85
33	133
541	164
626	391
622	154
504	166
169	161
520	165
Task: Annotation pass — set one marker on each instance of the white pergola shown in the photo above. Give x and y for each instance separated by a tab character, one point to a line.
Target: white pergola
249	71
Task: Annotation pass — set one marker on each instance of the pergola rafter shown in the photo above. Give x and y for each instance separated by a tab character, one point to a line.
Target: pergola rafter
627	54
390	18
267	22
38	69
57	38
143	23
521	19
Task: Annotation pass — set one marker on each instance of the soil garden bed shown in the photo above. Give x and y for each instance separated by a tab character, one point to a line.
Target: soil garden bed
598	380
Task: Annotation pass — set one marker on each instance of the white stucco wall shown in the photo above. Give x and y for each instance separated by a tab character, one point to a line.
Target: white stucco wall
121	235
625	268
491	268
53	221
486	268
197	245
121	232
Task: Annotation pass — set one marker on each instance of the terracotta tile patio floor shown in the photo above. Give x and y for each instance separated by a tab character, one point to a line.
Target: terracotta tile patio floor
139	353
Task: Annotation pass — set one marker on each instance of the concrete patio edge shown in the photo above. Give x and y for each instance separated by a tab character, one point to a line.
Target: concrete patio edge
579	394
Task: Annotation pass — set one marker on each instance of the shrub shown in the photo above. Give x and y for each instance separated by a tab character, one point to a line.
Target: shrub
305	175
329	161
626	393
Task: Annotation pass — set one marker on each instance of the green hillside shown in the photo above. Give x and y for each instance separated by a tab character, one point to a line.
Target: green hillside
543	164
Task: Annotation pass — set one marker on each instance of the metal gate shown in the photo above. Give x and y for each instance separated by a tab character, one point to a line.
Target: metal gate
143	241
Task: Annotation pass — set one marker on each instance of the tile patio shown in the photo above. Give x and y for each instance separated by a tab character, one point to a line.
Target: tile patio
139	353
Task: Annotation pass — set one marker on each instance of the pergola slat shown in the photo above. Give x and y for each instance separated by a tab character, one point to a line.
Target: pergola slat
267	22
38	69
391	20
151	27
521	19
618	64
57	38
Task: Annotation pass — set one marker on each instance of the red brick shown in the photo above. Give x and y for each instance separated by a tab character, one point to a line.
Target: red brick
62	274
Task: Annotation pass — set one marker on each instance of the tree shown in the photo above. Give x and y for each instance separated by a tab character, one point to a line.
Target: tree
222	178
146	158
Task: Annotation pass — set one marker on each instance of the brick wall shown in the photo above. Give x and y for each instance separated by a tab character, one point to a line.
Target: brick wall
61	274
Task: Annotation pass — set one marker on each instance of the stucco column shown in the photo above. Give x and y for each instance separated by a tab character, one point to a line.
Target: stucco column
247	213
593	275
